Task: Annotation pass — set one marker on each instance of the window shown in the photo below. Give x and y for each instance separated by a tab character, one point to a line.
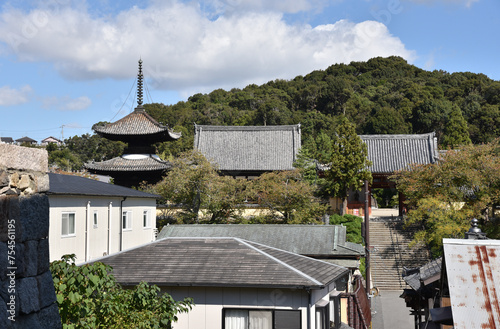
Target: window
146	219
261	319
127	220
68	224
95	218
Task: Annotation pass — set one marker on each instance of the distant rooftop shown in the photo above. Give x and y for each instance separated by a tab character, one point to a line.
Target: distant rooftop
249	148
312	240
120	164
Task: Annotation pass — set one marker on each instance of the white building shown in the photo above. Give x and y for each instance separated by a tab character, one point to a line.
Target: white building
92	219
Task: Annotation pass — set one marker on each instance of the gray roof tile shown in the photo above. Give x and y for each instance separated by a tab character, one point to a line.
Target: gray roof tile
249	148
219	262
390	153
149	163
75	185
313	240
136	123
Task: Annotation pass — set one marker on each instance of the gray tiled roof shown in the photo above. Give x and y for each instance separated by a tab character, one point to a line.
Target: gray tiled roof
249	148
25	139
418	275
7	139
122	164
219	262
313	240
390	153
136	123
75	185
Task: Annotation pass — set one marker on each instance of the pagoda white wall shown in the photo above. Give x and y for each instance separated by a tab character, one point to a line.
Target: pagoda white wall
99	241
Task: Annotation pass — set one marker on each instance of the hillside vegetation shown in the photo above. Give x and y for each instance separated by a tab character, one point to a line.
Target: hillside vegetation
381	96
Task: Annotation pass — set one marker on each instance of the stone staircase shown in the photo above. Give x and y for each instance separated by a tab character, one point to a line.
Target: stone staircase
389	241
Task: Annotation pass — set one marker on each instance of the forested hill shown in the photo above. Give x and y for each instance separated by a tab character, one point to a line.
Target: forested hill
381	96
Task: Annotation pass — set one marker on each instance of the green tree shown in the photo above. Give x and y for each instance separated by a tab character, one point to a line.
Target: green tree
348	165
456	132
195	185
289	197
445	196
88	296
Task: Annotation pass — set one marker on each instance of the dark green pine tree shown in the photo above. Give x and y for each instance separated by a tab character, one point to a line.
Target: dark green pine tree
456	132
348	163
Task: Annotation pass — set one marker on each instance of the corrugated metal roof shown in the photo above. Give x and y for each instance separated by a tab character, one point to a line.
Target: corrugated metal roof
75	185
389	153
137	123
326	240
219	262
473	272
149	163
249	148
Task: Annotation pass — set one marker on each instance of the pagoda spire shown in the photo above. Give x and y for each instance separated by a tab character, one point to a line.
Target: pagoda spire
140	77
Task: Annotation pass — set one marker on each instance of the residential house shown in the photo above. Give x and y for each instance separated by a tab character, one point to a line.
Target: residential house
27	140
323	242
51	139
91	219
6	140
236	283
249	151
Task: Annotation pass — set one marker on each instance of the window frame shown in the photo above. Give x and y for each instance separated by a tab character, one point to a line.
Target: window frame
95	219
148	219
272	310
68	234
126	219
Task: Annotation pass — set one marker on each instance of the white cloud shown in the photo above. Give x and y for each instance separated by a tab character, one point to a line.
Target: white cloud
66	103
10	96
185	49
466	3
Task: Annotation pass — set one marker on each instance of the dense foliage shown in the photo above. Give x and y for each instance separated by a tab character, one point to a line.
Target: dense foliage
380	96
88	296
197	193
445	196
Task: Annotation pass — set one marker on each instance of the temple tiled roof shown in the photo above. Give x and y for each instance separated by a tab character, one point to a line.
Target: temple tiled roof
120	164
389	153
137	123
249	148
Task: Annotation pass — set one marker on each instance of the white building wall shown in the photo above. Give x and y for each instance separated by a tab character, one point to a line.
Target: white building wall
210	302
100	240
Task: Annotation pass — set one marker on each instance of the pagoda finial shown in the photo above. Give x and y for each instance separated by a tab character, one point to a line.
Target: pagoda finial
140	76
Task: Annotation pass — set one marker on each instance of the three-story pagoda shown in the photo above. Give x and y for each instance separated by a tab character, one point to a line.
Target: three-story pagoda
139	130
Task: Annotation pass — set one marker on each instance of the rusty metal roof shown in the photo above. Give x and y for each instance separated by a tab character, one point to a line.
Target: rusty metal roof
473	272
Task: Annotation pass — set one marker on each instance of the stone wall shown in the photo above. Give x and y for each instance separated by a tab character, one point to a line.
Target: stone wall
27	296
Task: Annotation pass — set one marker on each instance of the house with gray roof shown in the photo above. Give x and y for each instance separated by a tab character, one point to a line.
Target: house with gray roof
324	242
249	151
90	218
236	283
6	140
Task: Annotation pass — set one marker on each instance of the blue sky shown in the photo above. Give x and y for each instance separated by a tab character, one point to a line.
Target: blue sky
65	65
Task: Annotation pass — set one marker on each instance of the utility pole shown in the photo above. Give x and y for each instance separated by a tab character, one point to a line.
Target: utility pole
62	133
367	236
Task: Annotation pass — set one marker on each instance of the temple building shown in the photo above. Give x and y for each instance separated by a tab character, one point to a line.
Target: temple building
140	131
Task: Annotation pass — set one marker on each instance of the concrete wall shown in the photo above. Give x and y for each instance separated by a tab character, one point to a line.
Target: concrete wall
90	242
27	296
